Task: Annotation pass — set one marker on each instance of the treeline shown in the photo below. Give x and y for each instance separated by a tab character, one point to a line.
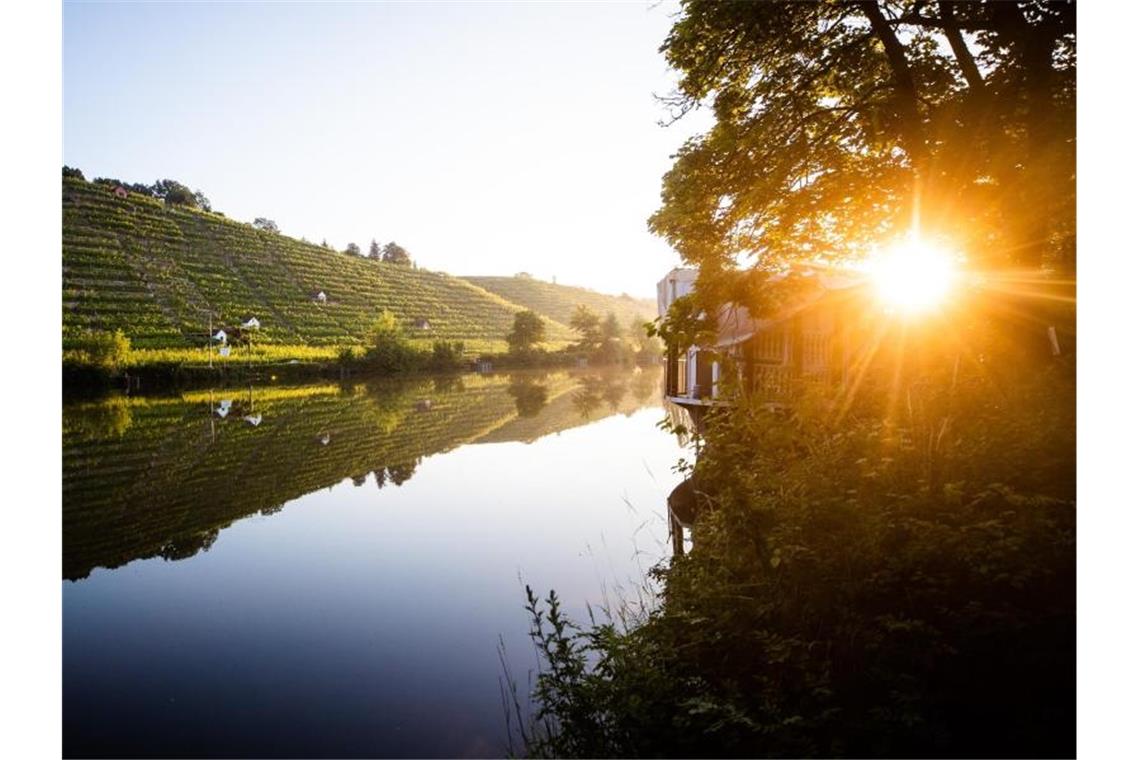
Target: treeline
601	340
167	190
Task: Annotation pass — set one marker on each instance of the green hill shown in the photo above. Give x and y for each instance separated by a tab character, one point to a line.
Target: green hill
162	274
557	302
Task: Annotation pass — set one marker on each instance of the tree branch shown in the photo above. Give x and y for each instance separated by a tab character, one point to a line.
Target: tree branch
961	53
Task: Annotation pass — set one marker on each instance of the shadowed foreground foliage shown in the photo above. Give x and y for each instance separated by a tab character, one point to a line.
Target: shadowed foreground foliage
895	580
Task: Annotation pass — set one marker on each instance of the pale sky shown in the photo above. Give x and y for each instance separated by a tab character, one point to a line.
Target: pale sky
486	138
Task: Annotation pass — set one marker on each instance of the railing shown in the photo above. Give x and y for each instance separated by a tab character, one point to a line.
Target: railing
816	349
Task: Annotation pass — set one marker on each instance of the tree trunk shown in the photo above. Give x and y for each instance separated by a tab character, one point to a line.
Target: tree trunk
912	129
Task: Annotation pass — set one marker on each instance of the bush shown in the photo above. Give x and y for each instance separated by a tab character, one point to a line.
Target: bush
389	349
893	578
445	355
106	350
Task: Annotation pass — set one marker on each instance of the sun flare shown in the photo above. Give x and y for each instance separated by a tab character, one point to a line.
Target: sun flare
913	275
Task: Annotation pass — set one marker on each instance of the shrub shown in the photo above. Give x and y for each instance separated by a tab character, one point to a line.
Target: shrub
891	578
106	350
445	355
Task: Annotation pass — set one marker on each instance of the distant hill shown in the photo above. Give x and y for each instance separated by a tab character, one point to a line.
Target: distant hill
163	273
557	302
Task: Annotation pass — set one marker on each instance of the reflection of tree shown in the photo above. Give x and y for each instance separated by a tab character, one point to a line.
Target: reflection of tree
181	547
359	480
107	419
381	477
401	473
644	385
596	389
613	391
448	384
529	395
586	400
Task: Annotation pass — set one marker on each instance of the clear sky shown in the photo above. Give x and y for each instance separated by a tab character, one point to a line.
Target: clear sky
486	138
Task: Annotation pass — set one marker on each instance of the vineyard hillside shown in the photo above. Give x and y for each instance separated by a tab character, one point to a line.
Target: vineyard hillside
557	302
165	274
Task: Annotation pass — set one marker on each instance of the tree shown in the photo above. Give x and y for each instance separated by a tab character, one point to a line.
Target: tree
325	243
202	201
645	345
611	328
69	171
352	248
268	225
395	254
841	125
528	330
589	326
374	250
176	194
109	350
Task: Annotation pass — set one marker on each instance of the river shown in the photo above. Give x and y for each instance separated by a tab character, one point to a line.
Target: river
328	570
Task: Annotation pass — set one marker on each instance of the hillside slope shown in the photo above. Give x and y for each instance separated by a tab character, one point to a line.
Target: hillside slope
163	274
557	302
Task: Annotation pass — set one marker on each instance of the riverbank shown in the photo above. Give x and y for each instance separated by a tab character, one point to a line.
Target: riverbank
158	370
890	578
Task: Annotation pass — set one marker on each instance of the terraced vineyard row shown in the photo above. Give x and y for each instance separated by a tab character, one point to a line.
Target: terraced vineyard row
163	275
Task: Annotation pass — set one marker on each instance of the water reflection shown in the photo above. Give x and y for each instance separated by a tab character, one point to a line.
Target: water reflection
336	580
147	477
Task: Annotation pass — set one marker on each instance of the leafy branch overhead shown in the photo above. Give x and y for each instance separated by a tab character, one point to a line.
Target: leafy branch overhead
839	124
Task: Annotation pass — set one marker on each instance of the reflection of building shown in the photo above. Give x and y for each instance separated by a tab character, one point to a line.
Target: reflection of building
804	339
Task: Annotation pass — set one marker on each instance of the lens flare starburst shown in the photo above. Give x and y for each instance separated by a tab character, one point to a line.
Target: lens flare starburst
914	275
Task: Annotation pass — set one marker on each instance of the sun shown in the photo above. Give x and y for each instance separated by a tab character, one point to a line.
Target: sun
913	275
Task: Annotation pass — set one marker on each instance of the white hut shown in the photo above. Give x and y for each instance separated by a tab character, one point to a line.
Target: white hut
321	297
251	324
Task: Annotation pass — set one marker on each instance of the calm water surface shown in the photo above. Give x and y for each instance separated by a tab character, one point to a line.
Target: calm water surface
327	570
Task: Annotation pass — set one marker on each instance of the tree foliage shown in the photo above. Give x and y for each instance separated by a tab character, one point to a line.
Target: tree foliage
396	254
268	225
106	350
352	248
374	250
840	124
589	326
527	331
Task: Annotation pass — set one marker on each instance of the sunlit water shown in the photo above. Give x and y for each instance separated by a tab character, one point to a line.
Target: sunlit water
327	571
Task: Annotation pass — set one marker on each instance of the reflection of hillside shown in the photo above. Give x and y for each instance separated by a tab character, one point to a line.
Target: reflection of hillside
146	477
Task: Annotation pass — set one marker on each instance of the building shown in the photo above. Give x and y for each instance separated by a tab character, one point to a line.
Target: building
803	340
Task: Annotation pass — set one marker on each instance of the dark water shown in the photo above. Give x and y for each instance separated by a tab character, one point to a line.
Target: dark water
334	579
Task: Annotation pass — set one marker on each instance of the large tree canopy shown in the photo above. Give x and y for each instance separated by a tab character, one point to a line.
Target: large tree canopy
841	124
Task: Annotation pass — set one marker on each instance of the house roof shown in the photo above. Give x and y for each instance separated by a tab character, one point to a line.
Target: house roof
736	324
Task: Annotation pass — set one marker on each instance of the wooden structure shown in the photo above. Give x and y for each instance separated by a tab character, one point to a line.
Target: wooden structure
805	341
